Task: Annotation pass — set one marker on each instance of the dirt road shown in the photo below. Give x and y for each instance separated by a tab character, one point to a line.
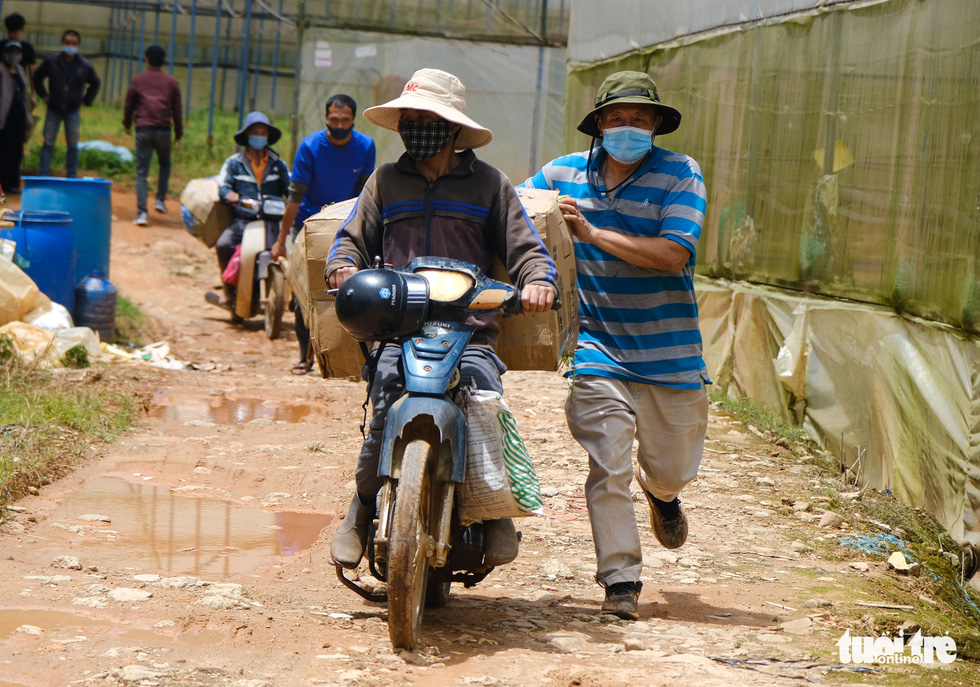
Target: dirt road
194	551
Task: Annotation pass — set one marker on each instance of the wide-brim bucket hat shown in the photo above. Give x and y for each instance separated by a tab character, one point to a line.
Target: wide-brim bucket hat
630	87
439	92
241	138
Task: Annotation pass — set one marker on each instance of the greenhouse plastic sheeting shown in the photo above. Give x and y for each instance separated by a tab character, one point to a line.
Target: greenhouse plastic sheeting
898	398
515	91
840	149
592	37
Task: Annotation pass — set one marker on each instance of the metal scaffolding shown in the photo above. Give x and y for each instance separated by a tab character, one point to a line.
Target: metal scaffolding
261	37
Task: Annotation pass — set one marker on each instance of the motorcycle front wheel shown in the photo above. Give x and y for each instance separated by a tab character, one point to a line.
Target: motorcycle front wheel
275	301
408	557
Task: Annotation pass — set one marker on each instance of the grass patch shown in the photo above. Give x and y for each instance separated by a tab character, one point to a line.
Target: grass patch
196	158
748	412
47	422
131	322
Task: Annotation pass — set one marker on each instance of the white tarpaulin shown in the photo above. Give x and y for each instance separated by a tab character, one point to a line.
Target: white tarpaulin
898	398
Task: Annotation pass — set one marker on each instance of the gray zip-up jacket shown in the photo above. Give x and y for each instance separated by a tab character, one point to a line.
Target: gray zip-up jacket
472	214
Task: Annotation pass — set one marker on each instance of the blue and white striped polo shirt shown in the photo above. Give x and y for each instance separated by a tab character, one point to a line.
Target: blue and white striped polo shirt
636	324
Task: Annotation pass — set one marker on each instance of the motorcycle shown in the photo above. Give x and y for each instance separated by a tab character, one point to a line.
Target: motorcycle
417	544
262	285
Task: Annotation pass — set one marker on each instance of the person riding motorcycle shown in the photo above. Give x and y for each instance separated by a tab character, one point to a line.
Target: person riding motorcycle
254	172
435	201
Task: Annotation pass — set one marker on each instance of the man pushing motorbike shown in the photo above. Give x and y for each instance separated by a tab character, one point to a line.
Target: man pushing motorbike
437	200
254	172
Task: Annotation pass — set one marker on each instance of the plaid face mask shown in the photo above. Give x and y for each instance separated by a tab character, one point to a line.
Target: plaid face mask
424	139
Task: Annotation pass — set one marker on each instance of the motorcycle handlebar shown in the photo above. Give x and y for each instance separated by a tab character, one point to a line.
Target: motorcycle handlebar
515	307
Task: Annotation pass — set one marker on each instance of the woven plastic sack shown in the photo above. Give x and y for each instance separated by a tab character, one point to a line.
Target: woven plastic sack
500	478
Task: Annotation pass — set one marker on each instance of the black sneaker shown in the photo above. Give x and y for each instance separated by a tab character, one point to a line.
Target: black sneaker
668	520
621	599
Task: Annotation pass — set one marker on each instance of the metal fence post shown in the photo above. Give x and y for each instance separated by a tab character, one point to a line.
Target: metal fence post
275	61
214	72
244	62
107	93
190	58
173	34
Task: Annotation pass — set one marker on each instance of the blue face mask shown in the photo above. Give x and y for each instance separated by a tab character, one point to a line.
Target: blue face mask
69	49
627	144
258	142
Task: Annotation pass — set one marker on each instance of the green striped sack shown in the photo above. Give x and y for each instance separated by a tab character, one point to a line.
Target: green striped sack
500	478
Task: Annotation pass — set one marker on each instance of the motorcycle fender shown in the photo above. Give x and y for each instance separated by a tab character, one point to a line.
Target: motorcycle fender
253	243
448	420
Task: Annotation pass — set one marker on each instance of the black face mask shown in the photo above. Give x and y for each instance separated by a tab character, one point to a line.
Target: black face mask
424	139
339	134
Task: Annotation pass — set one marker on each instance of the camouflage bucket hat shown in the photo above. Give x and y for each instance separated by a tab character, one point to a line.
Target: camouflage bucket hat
630	87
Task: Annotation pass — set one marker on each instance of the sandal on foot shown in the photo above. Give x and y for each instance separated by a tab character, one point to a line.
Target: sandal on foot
302	368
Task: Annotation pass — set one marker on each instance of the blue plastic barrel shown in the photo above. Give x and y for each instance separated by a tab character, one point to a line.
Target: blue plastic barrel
95	305
89	203
45	252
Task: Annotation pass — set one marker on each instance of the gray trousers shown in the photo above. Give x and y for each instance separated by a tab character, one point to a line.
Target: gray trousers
604	415
149	139
478	364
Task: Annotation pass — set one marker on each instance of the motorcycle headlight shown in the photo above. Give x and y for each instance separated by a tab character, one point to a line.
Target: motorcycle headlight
446	286
380	304
273	206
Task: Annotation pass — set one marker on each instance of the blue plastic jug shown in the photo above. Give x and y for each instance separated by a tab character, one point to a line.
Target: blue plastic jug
45	251
95	306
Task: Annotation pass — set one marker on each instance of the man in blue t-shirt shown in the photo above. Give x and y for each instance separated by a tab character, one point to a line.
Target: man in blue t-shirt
330	166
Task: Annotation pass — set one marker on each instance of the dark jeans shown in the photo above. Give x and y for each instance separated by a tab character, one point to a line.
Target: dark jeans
231	238
478	364
302	331
149	139
12	146
52	122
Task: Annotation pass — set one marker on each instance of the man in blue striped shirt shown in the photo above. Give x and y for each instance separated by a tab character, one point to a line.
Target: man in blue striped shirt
636	212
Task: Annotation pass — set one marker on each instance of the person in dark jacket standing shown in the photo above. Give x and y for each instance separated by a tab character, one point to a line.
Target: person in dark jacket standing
153	100
72	82
15	117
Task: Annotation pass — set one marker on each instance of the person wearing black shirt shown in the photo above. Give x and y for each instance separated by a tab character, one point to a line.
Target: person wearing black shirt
15	117
72	82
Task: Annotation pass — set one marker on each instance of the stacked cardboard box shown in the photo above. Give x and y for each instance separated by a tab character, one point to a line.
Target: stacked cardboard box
336	353
536	341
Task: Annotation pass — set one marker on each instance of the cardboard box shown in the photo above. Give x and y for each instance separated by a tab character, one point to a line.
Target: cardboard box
526	342
540	341
296	274
336	353
211	216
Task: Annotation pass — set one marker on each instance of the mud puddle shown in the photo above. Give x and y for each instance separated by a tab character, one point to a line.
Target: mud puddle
146	527
183	407
63	627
